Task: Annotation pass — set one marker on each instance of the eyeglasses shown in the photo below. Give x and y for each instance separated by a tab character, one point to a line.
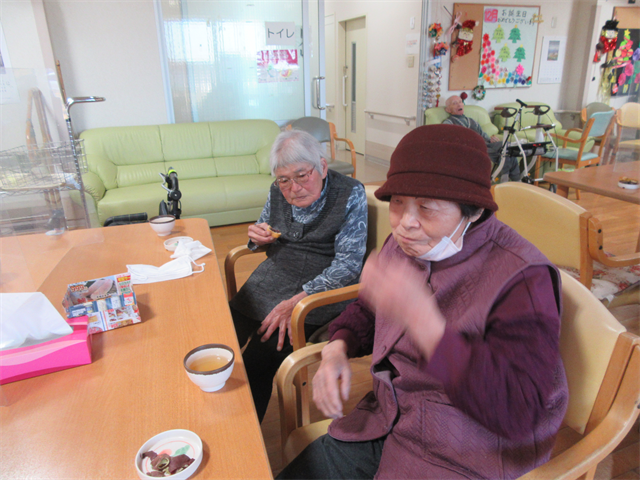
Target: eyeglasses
302	179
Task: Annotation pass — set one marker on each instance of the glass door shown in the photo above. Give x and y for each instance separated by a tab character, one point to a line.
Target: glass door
242	59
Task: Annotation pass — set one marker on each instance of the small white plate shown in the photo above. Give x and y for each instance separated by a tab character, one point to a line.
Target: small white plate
628	186
171	243
171	442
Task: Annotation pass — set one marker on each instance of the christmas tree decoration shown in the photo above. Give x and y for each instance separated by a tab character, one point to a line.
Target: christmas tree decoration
505	53
519	55
498	34
514	35
464	43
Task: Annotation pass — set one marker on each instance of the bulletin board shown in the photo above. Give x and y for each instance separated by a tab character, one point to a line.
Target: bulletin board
503	50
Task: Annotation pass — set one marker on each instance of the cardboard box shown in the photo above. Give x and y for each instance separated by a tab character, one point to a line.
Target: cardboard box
65	352
109	302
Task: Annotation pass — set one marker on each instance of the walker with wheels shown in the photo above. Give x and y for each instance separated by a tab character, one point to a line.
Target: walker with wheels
513	146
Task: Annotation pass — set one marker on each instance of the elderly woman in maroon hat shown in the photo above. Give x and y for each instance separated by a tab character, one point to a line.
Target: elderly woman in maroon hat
462	318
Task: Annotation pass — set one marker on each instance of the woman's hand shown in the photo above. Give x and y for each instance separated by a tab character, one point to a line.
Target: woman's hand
280	317
260	234
328	393
398	292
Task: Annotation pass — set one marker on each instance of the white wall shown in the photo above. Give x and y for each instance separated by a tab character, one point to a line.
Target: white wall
31	58
392	87
109	49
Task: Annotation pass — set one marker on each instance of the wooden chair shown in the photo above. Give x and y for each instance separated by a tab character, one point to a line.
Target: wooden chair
377	232
628	117
325	132
602	364
565	232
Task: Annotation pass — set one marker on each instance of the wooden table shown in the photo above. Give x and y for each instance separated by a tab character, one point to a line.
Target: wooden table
90	421
601	180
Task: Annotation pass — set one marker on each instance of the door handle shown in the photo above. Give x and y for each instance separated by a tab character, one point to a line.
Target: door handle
316	85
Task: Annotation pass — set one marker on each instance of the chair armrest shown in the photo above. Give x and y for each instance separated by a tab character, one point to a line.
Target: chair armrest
229	266
316	300
596	248
287	372
585	455
352	149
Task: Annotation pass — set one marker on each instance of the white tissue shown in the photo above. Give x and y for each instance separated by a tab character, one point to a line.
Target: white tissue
28	319
193	250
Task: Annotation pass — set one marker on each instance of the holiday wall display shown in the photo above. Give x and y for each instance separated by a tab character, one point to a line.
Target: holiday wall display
508	46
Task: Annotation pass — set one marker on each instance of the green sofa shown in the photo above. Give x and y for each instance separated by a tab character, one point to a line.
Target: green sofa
223	168
436	115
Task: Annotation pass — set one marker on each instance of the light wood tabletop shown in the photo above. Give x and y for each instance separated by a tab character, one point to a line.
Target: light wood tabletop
601	180
88	422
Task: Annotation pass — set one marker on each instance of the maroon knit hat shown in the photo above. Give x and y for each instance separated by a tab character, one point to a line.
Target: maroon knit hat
445	162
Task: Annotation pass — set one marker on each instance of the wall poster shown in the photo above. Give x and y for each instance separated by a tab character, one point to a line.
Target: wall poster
278	66
552	59
625	63
508	46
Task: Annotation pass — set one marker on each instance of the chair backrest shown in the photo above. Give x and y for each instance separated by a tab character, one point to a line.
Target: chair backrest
317	127
629	115
601	122
589	335
592	108
379	226
551	222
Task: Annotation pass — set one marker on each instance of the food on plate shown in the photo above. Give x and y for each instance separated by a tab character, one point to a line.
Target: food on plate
274	233
629	180
165	465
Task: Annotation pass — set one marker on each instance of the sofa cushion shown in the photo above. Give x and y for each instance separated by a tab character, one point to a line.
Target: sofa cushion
200	196
185	141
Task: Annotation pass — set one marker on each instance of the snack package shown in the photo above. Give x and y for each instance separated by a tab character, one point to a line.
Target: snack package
109	302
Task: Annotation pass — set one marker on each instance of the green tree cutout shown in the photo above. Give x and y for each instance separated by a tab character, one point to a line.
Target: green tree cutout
519	55
505	53
514	35
498	34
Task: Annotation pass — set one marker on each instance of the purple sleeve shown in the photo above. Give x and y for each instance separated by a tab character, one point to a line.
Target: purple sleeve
502	379
356	327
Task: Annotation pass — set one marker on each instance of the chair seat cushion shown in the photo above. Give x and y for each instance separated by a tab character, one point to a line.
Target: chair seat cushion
341	167
570	154
609	281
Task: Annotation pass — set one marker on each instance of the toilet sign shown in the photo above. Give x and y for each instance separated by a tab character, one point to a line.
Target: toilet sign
280	33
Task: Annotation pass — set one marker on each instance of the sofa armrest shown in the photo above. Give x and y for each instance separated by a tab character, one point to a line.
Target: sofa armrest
93	186
262	156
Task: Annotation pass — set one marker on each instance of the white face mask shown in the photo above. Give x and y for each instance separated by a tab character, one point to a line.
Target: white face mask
178	268
193	250
445	247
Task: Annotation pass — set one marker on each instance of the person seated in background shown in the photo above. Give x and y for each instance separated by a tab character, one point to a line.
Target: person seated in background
455	108
461	316
315	226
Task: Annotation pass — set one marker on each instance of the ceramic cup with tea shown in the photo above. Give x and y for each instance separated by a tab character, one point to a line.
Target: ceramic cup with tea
209	366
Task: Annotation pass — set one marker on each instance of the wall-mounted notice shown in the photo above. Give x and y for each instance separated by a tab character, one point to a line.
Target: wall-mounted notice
508	46
552	59
8	88
278	66
280	33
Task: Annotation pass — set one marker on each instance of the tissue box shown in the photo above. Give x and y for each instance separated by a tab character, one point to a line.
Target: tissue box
109	302
65	352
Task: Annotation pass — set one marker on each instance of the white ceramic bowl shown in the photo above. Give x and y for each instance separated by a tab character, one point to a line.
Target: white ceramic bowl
163	224
172	442
212	380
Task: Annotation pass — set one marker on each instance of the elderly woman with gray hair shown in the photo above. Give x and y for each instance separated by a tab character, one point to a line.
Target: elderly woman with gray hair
462	318
315	226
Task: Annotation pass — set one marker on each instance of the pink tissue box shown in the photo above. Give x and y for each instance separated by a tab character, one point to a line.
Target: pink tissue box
66	352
